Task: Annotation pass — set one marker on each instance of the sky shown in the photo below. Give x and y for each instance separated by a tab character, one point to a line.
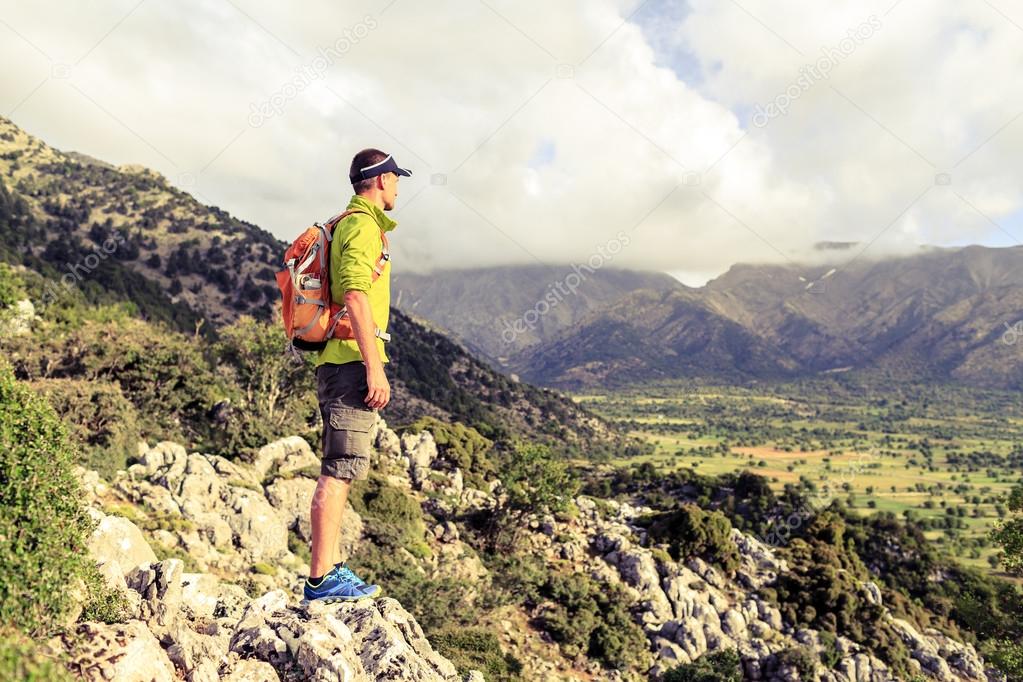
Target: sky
665	135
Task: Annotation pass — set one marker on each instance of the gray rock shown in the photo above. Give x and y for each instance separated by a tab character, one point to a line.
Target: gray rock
126	652
283	456
118	540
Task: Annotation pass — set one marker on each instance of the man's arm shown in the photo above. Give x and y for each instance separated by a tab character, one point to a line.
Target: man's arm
359	313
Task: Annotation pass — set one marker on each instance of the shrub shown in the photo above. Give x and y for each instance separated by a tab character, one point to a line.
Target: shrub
1007	657
716	666
161	372
535	483
800	658
271	394
43	527
830	656
476	649
21	659
101	421
299	547
435	603
461	446
823	590
693	532
393	517
594	620
12	288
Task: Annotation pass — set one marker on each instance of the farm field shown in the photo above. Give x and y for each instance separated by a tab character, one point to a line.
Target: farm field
944	456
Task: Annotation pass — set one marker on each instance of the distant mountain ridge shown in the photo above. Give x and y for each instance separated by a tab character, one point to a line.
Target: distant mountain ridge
942	314
499	311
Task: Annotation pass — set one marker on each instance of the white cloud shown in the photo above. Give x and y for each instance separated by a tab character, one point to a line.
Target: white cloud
471	90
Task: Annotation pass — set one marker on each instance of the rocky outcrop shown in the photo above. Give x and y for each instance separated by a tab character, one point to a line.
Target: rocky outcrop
320	640
224	518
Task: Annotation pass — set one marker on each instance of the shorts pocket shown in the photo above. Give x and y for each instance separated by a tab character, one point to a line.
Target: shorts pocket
351	430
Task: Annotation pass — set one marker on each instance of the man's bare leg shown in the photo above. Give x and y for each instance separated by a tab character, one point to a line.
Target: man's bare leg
328	506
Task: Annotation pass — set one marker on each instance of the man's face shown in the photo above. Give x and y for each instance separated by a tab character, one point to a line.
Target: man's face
390	181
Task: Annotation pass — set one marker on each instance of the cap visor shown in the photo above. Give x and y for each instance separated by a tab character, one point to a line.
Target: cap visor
402	171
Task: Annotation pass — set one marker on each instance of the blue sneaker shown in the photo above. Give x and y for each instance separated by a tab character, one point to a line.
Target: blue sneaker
338	586
343	569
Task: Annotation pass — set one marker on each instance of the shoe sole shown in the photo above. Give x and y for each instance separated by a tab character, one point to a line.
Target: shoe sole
337	598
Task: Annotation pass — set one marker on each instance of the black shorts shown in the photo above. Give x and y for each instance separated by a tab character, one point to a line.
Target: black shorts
341	390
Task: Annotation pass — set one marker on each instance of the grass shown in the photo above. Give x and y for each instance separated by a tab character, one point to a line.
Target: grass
869	443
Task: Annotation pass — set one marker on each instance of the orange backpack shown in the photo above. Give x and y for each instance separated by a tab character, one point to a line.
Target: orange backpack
311	317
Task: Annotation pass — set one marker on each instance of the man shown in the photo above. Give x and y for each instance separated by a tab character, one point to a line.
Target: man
350	381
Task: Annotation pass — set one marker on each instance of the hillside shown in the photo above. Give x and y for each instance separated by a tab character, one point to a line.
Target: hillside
209	553
180	249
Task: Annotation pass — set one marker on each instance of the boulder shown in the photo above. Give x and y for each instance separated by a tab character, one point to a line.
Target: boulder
118	541
126	652
373	639
283	456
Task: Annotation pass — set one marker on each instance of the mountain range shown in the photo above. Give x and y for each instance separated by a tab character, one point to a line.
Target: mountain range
941	314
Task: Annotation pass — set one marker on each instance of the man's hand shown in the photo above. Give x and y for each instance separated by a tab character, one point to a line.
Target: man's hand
379	393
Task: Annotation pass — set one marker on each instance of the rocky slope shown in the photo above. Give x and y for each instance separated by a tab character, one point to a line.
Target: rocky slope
220	620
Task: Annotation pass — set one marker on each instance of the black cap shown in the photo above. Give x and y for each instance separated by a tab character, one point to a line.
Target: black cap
388	165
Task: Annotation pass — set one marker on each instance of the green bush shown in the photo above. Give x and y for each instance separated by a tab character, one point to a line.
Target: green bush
1006	656
20	659
716	666
535	482
830	656
270	394
12	287
435	603
161	372
693	532
43	527
594	620
102	423
800	658
393	517
461	446
823	589
104	603
477	649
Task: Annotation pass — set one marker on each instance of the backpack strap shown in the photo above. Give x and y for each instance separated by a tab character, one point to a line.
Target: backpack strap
385	255
378	270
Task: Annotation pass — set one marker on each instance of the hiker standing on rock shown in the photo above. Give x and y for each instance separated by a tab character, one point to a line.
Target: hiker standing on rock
350	382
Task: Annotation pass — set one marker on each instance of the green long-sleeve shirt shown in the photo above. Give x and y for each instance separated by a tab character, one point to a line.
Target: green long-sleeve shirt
353	253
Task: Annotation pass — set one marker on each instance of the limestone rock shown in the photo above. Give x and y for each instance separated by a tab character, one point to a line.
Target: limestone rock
126	652
119	541
283	457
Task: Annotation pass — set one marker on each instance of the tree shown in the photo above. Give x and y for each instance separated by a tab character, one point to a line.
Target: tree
1009	533
533	482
